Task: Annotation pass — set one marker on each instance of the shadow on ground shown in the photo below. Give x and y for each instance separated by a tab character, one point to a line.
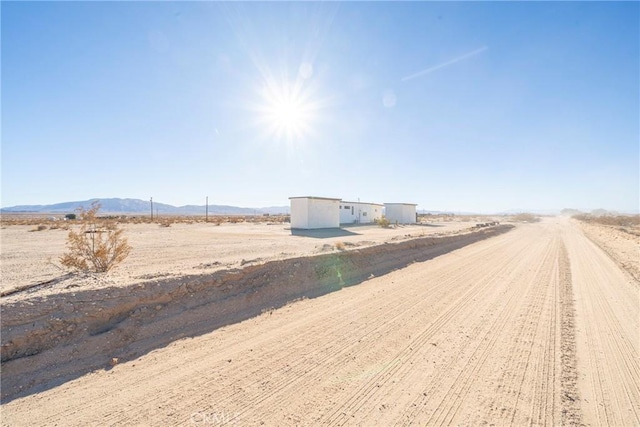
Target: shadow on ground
323	233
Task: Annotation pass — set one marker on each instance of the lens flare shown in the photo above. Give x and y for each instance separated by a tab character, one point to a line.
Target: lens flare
287	111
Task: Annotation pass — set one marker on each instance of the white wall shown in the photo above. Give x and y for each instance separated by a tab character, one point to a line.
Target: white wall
299	213
402	213
324	213
359	212
312	212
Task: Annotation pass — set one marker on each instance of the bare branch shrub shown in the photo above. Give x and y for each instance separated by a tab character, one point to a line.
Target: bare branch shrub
98	246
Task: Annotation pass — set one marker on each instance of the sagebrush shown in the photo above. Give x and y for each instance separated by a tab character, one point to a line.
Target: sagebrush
99	245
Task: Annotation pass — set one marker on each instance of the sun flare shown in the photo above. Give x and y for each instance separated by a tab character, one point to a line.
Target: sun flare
287	112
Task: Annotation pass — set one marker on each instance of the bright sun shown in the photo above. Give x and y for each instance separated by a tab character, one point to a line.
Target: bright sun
286	111
288	114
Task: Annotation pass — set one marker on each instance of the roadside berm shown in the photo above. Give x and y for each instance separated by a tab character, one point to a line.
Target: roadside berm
49	340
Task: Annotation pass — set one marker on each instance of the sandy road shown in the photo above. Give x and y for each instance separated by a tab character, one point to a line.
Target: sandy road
608	335
484	334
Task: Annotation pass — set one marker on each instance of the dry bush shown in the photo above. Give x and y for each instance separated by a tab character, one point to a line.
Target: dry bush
383	222
615	220
339	246
166	222
98	246
40	227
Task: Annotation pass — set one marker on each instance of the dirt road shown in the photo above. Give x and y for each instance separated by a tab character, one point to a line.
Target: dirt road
534	327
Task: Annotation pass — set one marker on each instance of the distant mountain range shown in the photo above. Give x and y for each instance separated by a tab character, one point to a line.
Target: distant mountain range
131	206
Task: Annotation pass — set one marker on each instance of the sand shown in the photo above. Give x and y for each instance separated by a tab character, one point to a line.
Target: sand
536	325
29	258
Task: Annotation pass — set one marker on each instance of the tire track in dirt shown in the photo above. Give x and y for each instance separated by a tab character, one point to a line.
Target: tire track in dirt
288	369
477	366
481	335
607	325
570	396
396	370
338	353
89	327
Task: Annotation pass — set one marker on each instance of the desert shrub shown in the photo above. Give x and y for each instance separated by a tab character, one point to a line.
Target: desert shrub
40	227
383	222
614	220
98	246
339	246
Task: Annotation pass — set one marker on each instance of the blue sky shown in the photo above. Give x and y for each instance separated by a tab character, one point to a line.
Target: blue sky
463	106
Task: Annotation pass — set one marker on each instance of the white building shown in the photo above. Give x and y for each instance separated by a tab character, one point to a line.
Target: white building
359	212
401	213
309	212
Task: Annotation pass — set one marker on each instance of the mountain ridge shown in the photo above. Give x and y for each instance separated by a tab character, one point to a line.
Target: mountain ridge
118	205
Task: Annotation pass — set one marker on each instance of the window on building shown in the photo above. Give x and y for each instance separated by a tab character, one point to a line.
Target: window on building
364	214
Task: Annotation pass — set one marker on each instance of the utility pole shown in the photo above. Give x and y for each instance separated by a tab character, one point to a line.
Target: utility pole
152	209
206	212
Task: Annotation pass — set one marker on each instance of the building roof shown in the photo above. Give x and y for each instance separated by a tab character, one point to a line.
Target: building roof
313	197
363	203
408	204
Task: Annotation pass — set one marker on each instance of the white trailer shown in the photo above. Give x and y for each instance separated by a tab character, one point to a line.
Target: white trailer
359	212
400	213
309	212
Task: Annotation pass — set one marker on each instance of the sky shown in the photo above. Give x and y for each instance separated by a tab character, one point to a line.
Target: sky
457	106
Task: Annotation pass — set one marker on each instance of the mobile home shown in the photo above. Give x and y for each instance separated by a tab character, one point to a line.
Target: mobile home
400	213
359	212
309	212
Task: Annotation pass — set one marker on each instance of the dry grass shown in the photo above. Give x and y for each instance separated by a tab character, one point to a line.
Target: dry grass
59	226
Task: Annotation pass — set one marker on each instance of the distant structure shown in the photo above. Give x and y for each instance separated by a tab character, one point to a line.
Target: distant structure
359	212
400	213
309	212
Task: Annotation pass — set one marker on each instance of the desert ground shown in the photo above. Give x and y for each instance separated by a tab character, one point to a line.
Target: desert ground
440	324
185	249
